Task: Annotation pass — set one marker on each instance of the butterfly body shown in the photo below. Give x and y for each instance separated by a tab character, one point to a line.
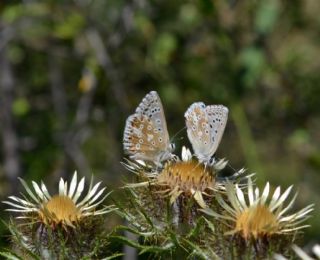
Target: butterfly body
205	127
146	136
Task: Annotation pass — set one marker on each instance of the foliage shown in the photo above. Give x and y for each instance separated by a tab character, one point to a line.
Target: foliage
87	240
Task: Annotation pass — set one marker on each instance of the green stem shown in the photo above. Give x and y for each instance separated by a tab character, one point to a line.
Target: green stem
246	139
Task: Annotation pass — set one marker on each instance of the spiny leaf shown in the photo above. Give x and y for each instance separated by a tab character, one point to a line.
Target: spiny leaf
210	225
157	249
113	256
135	231
126	241
196	230
197	251
10	255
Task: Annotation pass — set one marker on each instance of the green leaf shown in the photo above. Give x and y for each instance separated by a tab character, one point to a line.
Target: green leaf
210	225
10	256
199	252
113	256
126	241
135	231
157	249
198	227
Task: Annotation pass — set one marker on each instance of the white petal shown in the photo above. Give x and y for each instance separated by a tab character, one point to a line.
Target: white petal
225	205
96	196
302	213
265	193
301	253
198	197
212	213
15	205
289	205
90	194
294	229
22	210
294	222
298	215
73	185
241	197
23	202
250	192
186	154
141	162
79	191
282	198
137	185
97	212
232	197
221	164
316	250
38	191
93	205
45	191
257	193
61	187
183	154
175	193
23	217
65	189
25	185
275	197
279	257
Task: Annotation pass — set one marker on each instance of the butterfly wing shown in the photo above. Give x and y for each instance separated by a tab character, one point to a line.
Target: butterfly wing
205	127
198	128
146	136
217	120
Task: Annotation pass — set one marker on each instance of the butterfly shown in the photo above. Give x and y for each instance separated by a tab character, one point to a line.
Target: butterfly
145	135
205	127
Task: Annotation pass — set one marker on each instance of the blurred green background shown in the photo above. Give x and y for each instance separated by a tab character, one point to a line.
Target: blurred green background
71	72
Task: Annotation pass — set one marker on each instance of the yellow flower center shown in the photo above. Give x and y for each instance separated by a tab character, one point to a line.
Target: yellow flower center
187	175
58	209
255	221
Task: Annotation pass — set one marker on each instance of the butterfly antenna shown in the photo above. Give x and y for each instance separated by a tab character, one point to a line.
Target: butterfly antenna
231	167
176	134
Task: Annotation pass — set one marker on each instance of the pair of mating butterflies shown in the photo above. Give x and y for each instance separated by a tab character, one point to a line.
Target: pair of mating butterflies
146	136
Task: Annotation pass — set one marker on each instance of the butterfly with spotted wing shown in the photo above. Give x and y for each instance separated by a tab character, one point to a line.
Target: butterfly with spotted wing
146	136
205	127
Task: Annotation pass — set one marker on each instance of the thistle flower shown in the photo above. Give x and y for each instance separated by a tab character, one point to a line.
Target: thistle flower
190	178
185	176
63	208
63	225
259	215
